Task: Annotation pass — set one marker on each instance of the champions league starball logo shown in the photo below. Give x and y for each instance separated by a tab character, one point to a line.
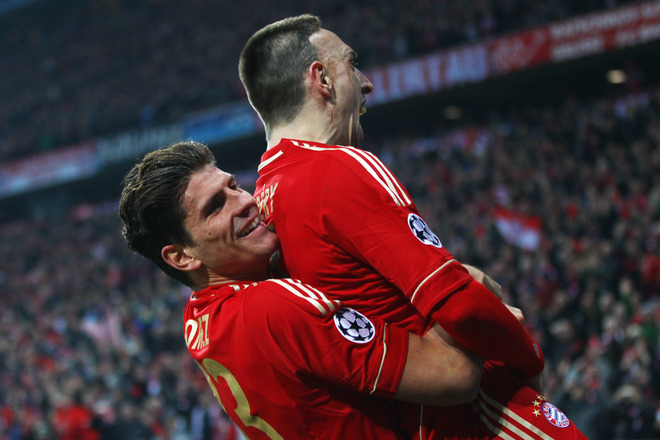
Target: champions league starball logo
422	231
354	326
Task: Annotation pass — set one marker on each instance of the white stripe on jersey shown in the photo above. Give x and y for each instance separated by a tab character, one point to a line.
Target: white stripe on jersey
532	431
267	161
315	293
309	294
382	360
498	432
376	169
392	183
412	298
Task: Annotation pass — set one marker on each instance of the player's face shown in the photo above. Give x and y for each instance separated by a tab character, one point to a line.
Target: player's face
224	222
350	86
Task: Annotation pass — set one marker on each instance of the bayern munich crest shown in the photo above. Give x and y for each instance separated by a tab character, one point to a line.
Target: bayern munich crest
555	416
354	326
422	231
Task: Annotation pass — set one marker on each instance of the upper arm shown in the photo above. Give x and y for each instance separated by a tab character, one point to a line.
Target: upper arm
376	228
303	335
438	372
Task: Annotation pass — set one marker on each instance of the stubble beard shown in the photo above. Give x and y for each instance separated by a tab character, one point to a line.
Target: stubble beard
354	131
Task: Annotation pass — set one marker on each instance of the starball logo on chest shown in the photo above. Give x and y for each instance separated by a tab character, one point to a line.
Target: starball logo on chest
265	199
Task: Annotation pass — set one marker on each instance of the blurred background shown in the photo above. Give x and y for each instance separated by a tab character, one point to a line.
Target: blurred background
527	131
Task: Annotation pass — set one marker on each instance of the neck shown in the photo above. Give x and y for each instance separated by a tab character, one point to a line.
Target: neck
202	281
313	123
298	132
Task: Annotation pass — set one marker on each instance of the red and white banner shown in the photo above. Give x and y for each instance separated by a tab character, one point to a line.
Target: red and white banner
562	41
519	229
576	38
48	169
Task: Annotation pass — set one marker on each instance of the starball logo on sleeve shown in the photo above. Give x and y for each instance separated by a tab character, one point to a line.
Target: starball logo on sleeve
422	231
354	326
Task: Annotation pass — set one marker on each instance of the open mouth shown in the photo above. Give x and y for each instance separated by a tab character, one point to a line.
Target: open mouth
250	228
363	108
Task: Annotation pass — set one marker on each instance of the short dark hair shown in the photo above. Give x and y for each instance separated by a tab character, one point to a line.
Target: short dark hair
272	67
150	206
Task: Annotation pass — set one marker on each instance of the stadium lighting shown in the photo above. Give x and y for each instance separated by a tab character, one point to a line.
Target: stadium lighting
616	76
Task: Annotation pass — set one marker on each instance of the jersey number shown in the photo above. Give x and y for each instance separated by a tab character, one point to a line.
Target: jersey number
214	370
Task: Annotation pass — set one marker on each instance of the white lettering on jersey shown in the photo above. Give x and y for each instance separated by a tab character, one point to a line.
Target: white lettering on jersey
196	332
265	199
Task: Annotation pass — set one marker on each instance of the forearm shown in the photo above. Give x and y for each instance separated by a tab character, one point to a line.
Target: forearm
481	323
439	373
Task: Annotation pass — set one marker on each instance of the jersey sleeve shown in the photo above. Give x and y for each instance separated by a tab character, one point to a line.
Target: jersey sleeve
300	331
380	225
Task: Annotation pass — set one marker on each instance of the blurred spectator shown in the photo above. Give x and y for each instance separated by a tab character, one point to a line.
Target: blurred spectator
92	335
81	69
94	321
72	420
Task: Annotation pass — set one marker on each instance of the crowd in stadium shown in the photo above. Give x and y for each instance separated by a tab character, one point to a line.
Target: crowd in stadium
78	70
92	343
93	333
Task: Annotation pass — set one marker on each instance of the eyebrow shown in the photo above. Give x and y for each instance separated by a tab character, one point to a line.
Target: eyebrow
206	209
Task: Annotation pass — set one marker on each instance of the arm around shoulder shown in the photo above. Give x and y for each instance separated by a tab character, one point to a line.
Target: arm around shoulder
437	372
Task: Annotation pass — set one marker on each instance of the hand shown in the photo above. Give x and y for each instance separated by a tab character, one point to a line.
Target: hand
438	333
517	313
439	373
484	279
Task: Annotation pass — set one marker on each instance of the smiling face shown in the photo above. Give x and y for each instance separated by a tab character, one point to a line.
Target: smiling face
350	86
230	240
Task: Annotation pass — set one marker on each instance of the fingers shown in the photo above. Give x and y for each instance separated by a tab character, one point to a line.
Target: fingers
517	313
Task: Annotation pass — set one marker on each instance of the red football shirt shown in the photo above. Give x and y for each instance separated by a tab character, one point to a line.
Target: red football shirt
286	362
372	249
349	228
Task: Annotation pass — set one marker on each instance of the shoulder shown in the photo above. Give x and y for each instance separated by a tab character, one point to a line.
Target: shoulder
320	158
283	310
360	171
348	156
285	295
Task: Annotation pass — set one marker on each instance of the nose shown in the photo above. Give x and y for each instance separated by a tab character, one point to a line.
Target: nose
366	86
243	201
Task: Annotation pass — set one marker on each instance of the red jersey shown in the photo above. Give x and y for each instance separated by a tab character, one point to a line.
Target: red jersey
373	251
285	362
74	422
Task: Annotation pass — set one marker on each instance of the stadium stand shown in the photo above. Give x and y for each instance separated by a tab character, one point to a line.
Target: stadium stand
92	345
76	70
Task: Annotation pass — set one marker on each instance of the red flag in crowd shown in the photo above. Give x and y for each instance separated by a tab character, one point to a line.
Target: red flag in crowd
519	229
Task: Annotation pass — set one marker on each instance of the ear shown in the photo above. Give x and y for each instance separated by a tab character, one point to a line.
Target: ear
179	258
321	82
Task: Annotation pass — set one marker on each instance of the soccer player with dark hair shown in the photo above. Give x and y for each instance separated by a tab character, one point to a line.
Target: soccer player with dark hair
348	227
284	360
